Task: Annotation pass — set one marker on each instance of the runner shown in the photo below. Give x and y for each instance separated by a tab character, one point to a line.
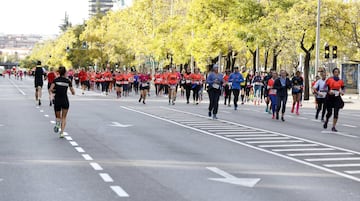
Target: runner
320	90
107	75
243	85
173	80
271	92
334	101
227	88
136	83
214	81
144	86
236	79
50	77
187	76
128	77
157	82
197	81
266	91
118	83
83	77
258	83
61	101
39	82
297	89
282	85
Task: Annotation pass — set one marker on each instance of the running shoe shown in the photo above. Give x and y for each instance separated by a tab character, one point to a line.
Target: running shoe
39	102
325	124
214	117
144	102
297	113
235	108
209	113
140	100
282	119
292	110
61	135
267	110
273	117
57	127
334	129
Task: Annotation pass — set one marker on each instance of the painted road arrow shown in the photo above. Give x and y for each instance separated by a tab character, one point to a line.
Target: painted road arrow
117	124
230	179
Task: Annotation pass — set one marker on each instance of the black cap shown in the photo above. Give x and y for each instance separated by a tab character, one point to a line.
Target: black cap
38	63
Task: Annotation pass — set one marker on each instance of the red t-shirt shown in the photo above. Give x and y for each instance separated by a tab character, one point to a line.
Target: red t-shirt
173	78
51	77
82	76
334	85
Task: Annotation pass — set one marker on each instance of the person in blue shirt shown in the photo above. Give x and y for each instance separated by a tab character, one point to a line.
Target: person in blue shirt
214	82
236	79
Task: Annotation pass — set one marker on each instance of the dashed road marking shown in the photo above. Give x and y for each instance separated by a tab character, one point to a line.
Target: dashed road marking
343	165
79	149
106	177
52	122
350	126
73	143
333	159
46	115
353	172
87	157
41	111
339	133
119	191
68	138
96	166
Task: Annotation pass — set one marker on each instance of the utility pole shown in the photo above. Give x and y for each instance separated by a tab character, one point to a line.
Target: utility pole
317	54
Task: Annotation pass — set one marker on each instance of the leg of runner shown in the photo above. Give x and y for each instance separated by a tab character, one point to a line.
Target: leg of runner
39	94
217	94
236	93
294	102
63	121
274	105
58	121
328	116
298	96
335	119
284	100
211	101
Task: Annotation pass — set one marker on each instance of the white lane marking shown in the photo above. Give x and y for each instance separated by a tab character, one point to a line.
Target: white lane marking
333	159
231	179
262	138
87	157
315	120
79	149
1	125
252	135
305	149
353	172
252	146
41	111
46	115
339	133
68	138
106	177
66	134
96	166
18	88
119	191
225	130
117	124
252	132
288	145
226	112
73	143
350	126
302	118
343	165
37	107
274	142
52	122
322	154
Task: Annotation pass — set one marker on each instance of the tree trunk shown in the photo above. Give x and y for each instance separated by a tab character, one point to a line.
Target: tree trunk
306	66
275	58
254	59
266	59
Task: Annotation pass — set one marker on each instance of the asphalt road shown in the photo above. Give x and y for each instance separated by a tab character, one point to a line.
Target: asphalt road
123	150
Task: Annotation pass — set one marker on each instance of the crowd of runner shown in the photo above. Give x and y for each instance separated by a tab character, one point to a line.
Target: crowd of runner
240	85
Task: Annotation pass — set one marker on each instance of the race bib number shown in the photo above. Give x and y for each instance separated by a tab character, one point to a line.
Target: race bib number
216	86
273	91
144	84
188	81
322	94
172	86
335	92
197	82
182	81
118	82
126	82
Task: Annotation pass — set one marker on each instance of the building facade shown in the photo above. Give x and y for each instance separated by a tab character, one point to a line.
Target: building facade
100	6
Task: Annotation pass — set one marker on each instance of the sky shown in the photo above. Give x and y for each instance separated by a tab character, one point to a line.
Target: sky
39	16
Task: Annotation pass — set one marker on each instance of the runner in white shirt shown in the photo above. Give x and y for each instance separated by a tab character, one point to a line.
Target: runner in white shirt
320	90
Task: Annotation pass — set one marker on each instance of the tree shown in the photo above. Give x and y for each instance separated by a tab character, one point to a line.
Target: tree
66	23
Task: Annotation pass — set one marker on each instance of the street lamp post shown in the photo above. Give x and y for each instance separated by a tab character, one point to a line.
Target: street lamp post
317	55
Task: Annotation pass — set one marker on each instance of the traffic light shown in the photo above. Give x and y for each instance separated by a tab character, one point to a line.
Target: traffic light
327	51
334	52
84	45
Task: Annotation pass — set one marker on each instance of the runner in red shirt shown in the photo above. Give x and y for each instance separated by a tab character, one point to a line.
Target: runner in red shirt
197	81
107	76
83	77
173	80
272	93
118	83
158	81
51	77
144	79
